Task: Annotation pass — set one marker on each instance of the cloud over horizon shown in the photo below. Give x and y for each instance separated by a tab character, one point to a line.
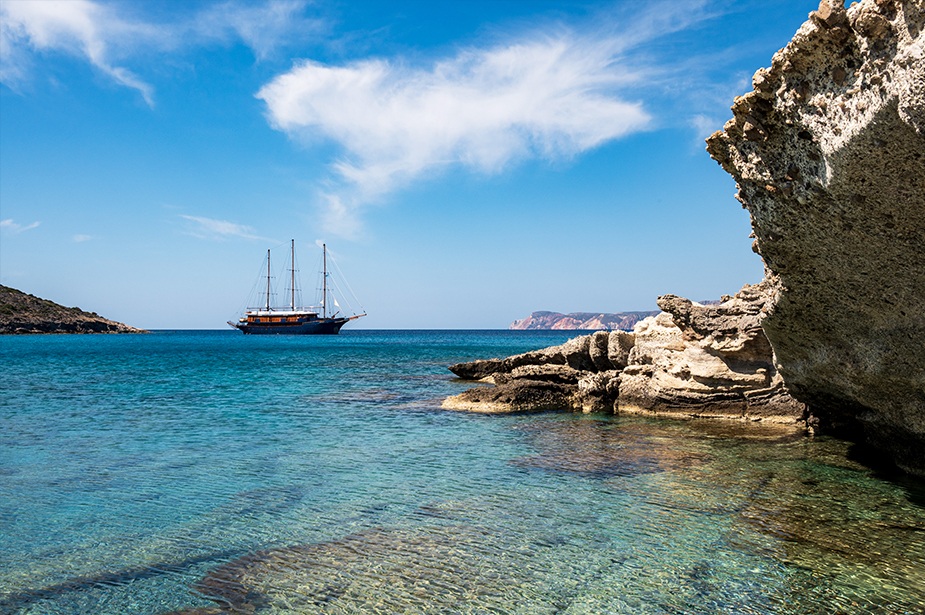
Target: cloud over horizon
552	97
551	93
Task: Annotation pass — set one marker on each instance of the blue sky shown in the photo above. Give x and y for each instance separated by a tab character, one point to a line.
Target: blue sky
467	163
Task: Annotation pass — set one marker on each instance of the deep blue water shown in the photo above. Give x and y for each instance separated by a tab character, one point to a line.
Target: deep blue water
211	472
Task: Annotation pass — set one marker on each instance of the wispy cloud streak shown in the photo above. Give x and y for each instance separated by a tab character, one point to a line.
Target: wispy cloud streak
265	27
210	228
11	226
77	27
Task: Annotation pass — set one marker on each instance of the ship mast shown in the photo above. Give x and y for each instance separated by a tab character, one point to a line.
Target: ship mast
324	282
268	280
292	281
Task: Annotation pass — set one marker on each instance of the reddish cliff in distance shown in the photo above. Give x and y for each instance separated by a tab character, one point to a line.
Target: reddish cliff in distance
593	321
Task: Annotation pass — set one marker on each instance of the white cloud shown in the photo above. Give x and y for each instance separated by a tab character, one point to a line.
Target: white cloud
9	225
107	36
210	228
544	96
262	27
81	238
77	27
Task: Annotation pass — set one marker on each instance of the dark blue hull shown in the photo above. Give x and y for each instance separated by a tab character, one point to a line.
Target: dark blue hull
321	326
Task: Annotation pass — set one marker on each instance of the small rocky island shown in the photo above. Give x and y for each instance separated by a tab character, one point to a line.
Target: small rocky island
828	152
21	313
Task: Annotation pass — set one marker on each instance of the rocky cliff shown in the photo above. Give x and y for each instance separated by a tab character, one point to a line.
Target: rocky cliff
828	152
22	313
580	320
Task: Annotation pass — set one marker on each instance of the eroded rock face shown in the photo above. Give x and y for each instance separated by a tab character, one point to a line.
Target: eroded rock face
706	361
574	353
691	360
543	380
829	155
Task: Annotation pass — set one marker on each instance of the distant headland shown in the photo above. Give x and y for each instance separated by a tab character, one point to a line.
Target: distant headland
21	313
592	321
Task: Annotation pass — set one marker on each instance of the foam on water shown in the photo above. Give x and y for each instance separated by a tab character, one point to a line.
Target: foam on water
209	472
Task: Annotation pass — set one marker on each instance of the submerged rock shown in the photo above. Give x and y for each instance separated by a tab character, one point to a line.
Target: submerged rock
428	569
605	449
828	152
513	396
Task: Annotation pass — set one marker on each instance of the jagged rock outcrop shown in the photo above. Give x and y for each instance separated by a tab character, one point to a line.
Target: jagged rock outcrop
707	361
691	360
580	320
23	313
829	155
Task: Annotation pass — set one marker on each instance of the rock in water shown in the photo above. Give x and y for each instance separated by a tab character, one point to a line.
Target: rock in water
691	360
828	152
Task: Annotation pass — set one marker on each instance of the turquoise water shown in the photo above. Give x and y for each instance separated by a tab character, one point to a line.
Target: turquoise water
211	472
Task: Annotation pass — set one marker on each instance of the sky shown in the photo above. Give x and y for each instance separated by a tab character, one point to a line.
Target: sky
466	163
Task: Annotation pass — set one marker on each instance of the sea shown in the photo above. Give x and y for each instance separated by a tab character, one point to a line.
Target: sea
209	472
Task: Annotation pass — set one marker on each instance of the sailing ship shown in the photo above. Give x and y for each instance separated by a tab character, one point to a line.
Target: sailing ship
293	320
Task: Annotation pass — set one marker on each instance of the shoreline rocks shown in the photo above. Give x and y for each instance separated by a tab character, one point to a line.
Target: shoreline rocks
690	361
22	314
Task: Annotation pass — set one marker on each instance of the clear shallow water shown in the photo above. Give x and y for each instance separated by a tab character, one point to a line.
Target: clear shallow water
209	472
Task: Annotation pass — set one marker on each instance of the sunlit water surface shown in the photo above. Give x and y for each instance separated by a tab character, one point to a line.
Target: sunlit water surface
211	472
